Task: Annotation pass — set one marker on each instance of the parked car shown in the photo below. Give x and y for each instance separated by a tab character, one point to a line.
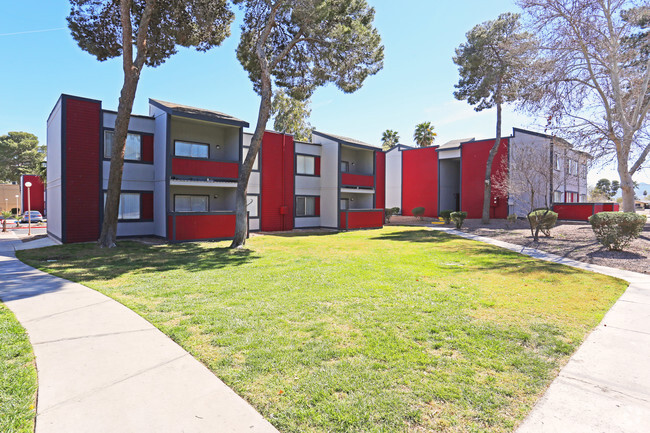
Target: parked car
34	215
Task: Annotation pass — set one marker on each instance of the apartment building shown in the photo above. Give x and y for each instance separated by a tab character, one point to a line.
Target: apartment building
181	167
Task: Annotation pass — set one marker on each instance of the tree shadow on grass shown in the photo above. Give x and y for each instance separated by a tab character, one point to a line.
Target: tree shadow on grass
423	235
88	262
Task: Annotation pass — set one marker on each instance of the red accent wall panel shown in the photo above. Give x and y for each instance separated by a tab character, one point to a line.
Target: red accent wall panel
362	220
474	157
36	193
420	180
357	180
147	148
317	205
205	168
81	189
380	175
574	212
147	205
317	166
597	208
277	182
195	227
610	207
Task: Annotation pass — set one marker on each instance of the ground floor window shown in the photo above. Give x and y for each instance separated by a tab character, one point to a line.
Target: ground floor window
129	206
191	203
557	197
305	206
583	198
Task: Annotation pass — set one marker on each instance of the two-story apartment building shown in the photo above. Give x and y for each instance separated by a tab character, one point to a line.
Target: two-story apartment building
181	166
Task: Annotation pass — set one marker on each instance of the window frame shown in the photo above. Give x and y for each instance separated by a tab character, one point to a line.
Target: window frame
555	194
347	206
312	157
557	165
207	196
120	210
192	143
304	198
347	166
129	133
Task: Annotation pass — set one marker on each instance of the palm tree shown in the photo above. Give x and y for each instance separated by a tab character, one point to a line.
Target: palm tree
389	139
424	135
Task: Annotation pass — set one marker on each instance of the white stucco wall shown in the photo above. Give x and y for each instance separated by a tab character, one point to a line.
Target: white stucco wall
394	178
136	123
329	179
54	169
160	171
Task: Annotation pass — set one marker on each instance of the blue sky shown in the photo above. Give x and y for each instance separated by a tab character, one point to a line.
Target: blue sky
416	84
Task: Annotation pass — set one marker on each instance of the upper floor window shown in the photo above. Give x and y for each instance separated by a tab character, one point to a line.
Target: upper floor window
305	164
191	203
345	166
557	161
129	206
132	150
191	150
557	197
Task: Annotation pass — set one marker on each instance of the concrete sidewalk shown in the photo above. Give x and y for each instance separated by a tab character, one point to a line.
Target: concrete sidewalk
605	386
103	368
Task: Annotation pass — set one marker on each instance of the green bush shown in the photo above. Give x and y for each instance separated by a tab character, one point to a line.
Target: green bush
458	218
615	230
418	212
541	220
512	218
446	215
389	212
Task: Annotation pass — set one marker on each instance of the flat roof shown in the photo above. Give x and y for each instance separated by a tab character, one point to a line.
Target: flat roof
197	113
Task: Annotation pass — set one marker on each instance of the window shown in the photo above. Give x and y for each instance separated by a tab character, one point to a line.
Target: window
345	166
557	161
129	206
252	206
345	203
305	206
191	150
557	197
583	198
132	150
256	166
190	203
305	164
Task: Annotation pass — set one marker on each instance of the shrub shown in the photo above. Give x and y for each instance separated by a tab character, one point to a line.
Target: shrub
541	220
615	230
418	212
458	218
446	215
512	218
389	212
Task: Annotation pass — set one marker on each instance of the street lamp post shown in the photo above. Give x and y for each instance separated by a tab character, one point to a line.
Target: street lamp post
29	209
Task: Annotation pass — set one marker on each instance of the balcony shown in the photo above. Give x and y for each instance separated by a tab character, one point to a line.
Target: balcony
204	168
362	180
192	226
362	219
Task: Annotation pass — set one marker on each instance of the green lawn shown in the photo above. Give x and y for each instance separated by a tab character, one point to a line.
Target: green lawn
392	330
17	376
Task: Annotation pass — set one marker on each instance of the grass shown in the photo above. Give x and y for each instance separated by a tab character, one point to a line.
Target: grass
17	376
392	330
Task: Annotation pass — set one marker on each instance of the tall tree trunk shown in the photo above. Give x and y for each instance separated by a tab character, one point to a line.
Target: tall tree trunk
487	192
627	184
108	235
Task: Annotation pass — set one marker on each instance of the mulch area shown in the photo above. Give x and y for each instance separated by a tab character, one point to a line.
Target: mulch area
575	240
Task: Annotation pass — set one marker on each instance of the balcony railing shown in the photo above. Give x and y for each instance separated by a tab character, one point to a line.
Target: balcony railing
349	179
205	168
192	226
361	219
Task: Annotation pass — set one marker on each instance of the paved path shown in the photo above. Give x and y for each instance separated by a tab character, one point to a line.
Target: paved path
103	368
605	386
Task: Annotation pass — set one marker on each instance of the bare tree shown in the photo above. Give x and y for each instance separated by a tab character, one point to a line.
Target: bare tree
596	78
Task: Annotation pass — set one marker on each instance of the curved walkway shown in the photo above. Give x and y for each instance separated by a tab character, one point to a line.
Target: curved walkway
103	368
605	386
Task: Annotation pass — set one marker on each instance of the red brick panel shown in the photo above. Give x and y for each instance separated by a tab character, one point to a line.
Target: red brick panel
380	174
196	227
277	182
81	164
147	148
474	157
147	205
362	219
204	168
36	194
357	180
420	181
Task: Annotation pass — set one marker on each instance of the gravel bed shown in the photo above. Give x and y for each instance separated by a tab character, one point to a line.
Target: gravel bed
575	240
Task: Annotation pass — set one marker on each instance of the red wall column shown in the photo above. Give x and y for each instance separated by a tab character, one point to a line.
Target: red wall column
277	199
474	157
420	180
380	180
37	193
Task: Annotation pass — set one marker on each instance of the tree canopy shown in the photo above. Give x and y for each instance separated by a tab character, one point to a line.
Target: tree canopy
298	46
424	135
291	116
20	154
389	139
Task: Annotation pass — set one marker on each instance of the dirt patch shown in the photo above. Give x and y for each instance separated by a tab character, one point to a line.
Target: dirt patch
574	240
